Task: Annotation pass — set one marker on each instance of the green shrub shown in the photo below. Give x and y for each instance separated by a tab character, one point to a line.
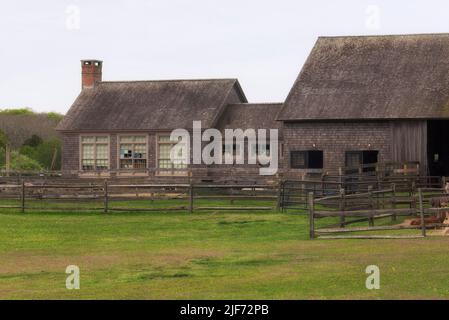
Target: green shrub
21	162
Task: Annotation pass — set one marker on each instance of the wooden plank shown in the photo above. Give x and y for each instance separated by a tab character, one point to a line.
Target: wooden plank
311	206
363	213
370	237
421	210
234	208
22	197
361	229
123	209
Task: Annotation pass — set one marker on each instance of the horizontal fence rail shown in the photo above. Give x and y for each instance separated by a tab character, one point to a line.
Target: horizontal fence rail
381	204
112	196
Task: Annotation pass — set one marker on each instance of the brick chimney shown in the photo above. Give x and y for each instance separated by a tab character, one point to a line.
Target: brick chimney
90	73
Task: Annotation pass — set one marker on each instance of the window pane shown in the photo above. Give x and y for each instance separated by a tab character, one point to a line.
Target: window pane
87	164
165	164
140	151
140	139
164	151
102	151
102	139
140	164
298	159
126	151
315	159
88	151
87	139
126	139
164	138
102	164
126	163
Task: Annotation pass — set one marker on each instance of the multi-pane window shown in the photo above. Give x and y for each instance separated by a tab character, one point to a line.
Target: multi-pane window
94	152
312	159
164	148
133	152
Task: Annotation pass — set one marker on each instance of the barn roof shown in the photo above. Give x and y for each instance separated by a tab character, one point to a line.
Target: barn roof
373	77
150	105
250	116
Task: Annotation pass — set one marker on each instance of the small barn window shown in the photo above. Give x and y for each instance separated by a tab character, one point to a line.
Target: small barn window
133	152
312	159
366	158
94	153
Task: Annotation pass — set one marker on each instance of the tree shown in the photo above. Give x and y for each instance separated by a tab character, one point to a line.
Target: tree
44	153
34	141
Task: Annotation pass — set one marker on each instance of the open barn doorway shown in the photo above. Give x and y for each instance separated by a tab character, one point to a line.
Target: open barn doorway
438	147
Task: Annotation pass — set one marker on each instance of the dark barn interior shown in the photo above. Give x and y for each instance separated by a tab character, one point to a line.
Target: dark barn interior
438	147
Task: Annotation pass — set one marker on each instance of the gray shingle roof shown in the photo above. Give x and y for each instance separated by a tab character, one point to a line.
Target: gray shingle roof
373	77
150	105
250	116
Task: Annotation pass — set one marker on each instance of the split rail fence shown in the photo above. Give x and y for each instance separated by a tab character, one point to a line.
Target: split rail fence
113	196
379	204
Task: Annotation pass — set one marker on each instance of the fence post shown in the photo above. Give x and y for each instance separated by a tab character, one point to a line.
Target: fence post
279	198
22	197
421	211
342	207
311	215
191	198
443	182
393	201
106	196
370	194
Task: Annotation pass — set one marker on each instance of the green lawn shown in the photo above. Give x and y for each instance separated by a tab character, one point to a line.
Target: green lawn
207	256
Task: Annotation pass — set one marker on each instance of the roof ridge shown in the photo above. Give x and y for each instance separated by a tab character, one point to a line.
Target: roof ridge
169	80
386	35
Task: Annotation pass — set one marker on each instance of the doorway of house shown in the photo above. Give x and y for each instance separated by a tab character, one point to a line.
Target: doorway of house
438	147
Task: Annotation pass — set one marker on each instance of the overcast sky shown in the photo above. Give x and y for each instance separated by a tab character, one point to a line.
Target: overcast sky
262	43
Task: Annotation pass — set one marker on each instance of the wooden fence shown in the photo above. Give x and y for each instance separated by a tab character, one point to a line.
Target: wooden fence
381	204
112	196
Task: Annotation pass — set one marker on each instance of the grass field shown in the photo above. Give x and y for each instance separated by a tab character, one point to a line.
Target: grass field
207	256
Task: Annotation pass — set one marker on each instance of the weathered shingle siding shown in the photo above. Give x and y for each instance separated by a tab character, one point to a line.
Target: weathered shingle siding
70	152
335	138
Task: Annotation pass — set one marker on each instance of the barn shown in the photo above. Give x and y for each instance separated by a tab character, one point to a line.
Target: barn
368	99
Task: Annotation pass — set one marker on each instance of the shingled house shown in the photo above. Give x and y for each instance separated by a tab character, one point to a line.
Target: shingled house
361	100
123	128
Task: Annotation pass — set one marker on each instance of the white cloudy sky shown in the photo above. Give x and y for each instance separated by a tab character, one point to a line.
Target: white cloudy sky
262	43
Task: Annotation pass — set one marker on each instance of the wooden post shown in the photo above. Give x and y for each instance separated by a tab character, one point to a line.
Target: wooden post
279	197
393	201
53	159
340	177
371	199
7	159
443	182
191	198
106	197
311	215
421	211
342	207
22	197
